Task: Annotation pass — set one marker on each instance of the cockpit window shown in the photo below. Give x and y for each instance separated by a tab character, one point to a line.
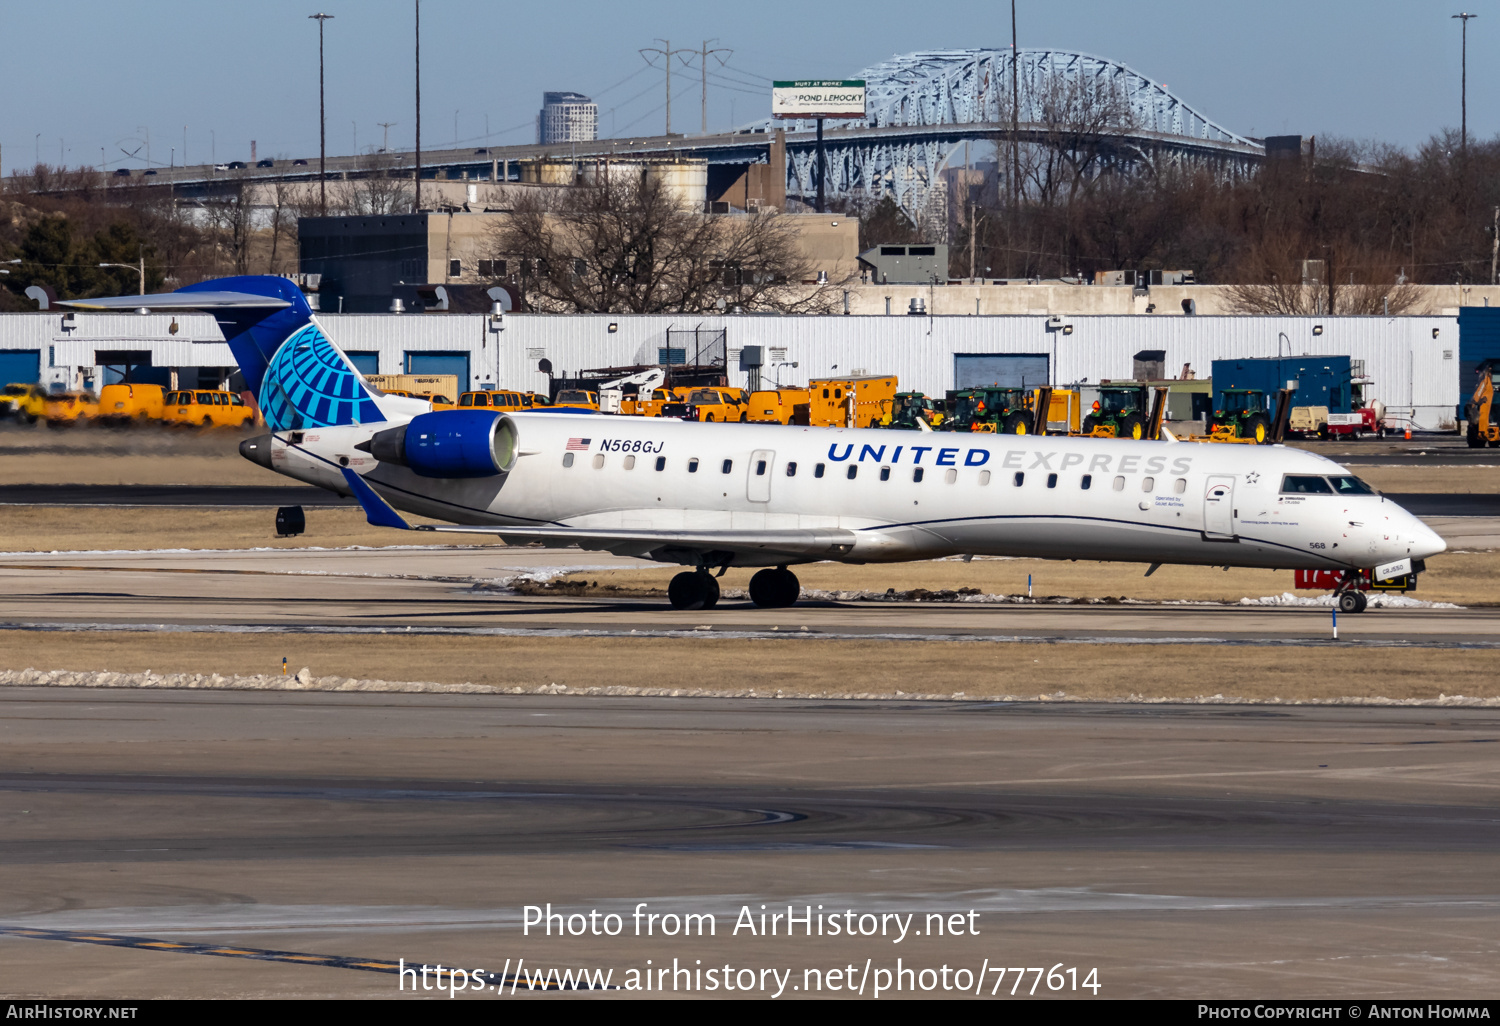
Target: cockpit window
1298	484
1350	486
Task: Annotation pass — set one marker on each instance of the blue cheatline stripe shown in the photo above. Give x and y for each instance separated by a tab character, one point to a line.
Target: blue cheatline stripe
369	965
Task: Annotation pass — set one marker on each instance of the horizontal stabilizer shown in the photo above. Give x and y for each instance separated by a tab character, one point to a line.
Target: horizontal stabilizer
181	301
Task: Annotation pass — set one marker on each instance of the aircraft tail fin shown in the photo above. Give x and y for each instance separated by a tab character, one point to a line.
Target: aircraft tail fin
299	377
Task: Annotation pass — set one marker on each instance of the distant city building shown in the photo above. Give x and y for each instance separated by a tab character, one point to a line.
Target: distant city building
567	117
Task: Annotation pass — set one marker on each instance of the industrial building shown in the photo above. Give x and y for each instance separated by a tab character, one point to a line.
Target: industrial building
1412	362
567	117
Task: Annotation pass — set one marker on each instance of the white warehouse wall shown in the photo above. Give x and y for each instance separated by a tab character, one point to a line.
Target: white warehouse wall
1412	360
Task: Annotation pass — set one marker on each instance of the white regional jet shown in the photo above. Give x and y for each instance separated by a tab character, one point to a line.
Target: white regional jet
713	496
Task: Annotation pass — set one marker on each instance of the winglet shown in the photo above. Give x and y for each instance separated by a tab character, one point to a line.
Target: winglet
377	510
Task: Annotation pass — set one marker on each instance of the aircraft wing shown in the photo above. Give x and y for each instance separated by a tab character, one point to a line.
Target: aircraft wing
816	544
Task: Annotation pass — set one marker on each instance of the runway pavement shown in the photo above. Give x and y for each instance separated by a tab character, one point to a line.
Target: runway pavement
466	590
1181	852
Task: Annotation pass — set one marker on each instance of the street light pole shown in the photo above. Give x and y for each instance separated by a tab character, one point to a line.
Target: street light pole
1464	87
417	178
141	268
322	124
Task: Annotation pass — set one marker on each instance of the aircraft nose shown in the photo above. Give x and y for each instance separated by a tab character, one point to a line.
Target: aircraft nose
1425	541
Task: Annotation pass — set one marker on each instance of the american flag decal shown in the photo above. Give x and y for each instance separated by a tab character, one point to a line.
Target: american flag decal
579	444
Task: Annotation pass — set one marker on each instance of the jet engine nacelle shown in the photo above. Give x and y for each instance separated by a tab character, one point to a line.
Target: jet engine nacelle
449	444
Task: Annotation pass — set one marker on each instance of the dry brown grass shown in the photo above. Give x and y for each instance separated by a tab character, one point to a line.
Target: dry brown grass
71	528
792	667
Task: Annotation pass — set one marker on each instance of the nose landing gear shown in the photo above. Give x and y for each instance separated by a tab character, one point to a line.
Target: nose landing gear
1347	596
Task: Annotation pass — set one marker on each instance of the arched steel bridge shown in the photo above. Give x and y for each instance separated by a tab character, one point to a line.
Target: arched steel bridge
921	107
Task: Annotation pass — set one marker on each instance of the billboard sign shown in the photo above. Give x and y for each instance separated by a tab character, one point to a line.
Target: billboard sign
818	98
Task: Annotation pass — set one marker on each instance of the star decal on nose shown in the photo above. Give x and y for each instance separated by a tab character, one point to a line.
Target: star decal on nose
1252	477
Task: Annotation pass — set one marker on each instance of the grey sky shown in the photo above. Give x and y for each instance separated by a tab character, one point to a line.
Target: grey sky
91	74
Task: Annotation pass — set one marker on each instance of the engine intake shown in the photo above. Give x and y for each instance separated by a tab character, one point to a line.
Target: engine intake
450	444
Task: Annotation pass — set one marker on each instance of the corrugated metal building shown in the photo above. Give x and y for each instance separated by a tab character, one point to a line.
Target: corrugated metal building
1412	360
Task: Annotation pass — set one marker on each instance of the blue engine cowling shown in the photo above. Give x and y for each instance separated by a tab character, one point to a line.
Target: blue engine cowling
449	444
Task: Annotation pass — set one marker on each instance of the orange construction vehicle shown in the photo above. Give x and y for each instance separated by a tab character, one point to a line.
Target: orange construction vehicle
852	402
1483	428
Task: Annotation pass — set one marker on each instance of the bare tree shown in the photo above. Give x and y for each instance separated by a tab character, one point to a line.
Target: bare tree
625	244
377	191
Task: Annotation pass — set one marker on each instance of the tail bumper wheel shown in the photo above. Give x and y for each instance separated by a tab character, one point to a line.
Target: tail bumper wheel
775	588
693	589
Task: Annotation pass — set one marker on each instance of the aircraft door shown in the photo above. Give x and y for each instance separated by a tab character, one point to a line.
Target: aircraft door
1218	509
758	486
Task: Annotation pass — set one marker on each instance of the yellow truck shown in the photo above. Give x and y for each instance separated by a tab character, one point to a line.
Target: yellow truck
26	403
498	399
64	409
123	404
780	406
852	402
207	407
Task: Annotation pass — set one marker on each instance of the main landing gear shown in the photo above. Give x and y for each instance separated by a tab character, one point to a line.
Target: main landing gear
775	589
770	589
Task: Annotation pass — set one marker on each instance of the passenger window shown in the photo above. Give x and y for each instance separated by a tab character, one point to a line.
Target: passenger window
818	470
885	473
1020	479
629	462
1051	480
1148	484
916	475
1180	485
466	400
853	471
950	476
825	393
838	393
661	463
599	461
791	469
1087	482
984	477
693	466
728	466
567	459
760	468
1119	484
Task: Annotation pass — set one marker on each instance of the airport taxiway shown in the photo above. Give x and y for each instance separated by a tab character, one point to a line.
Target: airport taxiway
465	590
1183	851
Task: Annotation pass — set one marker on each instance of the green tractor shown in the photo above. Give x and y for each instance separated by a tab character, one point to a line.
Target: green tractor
1121	411
1241	415
913	406
996	410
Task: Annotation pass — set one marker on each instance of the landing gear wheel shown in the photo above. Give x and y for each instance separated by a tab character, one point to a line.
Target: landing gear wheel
775	589
693	589
1352	602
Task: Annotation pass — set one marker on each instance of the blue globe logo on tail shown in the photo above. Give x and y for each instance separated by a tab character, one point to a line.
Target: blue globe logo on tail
310	384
